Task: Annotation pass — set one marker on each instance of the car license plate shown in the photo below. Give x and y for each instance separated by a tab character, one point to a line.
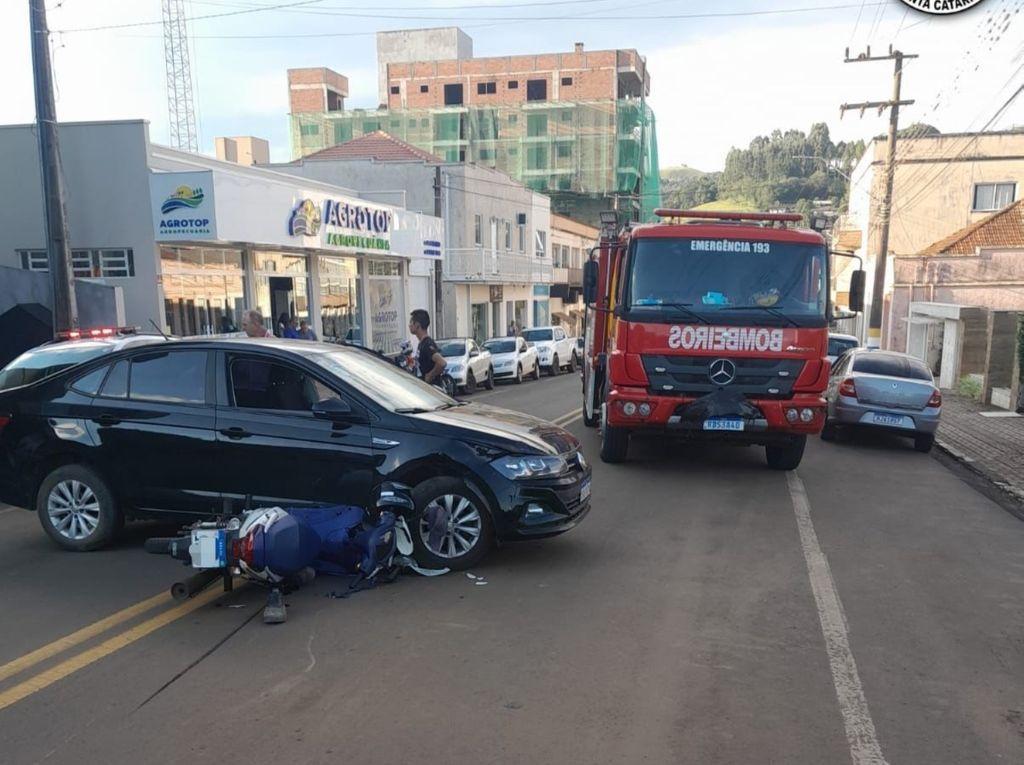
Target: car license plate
723	423
585	491
892	420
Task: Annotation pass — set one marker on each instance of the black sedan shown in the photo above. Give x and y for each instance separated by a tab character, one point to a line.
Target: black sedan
212	427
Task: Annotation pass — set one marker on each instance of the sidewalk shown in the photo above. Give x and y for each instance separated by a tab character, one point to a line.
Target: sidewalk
992	446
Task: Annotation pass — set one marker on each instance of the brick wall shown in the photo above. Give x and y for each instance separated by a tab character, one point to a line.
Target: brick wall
594	77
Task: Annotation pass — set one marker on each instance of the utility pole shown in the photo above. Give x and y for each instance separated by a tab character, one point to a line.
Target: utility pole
893	105
439	264
65	310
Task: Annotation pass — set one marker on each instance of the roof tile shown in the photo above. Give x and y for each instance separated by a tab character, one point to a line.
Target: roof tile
379	146
1004	228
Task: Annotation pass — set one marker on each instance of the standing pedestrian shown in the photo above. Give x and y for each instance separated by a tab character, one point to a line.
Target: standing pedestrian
429	357
305	331
252	324
291	329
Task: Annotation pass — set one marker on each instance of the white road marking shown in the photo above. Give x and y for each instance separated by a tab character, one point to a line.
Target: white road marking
860	728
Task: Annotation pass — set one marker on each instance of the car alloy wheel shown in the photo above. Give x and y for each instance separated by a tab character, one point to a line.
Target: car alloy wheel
74	509
451	526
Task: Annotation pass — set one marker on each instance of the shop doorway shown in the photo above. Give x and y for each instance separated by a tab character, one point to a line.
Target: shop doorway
497	330
479	311
282	300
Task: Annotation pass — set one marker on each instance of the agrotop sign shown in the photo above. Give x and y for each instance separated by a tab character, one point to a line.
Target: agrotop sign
242	207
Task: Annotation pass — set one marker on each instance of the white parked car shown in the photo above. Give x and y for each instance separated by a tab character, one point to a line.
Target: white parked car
555	349
513	359
468	364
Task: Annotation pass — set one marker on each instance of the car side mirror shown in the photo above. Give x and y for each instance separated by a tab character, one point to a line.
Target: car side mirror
334	409
590	282
474	353
858	280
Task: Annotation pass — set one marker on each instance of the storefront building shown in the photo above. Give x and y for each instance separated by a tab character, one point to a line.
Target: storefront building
193	241
497	272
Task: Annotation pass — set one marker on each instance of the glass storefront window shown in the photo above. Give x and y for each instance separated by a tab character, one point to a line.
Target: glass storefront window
387	305
340	287
282	288
203	289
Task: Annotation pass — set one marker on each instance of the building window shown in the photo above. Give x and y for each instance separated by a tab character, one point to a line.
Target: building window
567	81
564	150
989	197
453	94
536	125
540	244
522	237
566	115
394	90
513	151
86	264
513	119
424	88
412	123
486	155
536	90
478	230
508	235
424	122
34	260
513	84
486	88
308	129
395	123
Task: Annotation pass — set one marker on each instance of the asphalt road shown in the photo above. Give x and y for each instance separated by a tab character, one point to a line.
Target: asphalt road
866	609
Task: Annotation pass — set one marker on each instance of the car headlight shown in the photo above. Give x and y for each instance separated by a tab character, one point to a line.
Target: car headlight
454	368
518	467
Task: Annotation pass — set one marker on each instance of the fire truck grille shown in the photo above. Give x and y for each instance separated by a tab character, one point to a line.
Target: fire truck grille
692	375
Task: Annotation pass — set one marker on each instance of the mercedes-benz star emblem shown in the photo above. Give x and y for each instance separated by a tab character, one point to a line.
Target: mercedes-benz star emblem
722	372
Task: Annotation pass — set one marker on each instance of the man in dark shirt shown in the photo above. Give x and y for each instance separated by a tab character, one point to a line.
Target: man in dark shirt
429	358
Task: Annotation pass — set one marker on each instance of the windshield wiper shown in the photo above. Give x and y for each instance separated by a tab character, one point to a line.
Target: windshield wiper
681	307
413	410
770	309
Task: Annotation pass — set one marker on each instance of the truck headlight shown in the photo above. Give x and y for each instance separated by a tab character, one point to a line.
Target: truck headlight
518	467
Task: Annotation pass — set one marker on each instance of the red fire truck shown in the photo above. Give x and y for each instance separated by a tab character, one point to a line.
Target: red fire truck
709	325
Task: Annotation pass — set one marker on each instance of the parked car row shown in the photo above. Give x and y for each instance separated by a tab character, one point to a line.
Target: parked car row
91	435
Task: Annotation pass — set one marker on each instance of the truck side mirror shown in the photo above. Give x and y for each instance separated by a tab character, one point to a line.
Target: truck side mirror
857	281
590	282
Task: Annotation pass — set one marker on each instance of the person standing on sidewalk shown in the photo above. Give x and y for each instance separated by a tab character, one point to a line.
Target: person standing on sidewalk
252	324
429	357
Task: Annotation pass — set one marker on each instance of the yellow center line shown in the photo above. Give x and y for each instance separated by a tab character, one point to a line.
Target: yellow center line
79	661
568	417
86	633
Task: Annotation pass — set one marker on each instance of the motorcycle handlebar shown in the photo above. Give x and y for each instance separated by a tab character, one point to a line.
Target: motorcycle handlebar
176	547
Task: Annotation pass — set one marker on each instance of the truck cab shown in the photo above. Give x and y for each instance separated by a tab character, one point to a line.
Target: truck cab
710	326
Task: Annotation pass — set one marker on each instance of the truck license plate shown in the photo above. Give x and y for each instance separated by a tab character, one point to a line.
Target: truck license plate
723	423
585	491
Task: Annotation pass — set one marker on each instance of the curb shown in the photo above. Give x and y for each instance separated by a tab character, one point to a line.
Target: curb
1008	497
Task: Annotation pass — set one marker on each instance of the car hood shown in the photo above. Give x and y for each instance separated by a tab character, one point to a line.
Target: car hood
503	356
516	432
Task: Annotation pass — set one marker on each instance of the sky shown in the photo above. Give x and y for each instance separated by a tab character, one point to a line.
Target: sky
716	81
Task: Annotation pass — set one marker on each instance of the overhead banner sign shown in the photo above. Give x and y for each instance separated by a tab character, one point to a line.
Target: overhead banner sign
183	207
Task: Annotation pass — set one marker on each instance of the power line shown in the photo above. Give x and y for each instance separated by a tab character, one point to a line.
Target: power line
575	18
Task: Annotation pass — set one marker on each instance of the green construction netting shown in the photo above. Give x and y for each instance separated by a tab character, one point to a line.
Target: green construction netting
601	150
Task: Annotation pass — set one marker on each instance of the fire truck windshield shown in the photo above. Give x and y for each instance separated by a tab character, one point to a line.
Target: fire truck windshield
728	281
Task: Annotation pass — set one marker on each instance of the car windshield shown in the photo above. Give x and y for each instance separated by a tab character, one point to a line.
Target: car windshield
729	281
386	384
42	362
500	346
837	346
537	335
450	348
891	365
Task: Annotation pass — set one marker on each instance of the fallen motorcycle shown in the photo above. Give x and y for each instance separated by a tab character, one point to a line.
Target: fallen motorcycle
285	548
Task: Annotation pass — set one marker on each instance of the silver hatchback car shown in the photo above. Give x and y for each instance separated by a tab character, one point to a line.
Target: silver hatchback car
883	390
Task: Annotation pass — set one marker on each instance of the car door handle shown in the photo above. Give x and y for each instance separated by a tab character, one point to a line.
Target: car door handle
106	420
235	432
